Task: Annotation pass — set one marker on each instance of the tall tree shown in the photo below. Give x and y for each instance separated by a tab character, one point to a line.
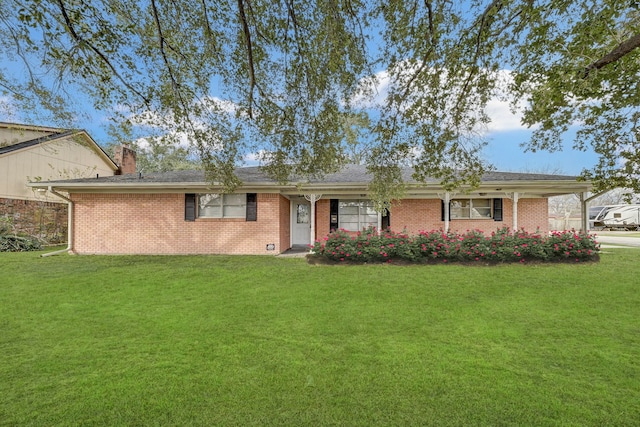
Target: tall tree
279	76
356	131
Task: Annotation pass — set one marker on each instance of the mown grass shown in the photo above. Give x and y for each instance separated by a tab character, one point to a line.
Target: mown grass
215	340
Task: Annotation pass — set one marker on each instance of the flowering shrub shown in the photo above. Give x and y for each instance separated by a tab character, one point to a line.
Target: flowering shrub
502	245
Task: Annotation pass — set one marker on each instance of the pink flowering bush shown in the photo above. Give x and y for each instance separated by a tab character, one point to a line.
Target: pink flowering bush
471	246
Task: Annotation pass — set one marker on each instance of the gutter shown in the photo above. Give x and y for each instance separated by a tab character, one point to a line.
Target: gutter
69	224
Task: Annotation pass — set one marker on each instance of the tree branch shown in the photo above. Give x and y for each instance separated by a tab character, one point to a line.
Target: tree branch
97	51
249	46
163	42
618	52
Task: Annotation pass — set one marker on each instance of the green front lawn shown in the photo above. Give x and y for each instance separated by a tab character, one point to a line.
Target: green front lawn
206	340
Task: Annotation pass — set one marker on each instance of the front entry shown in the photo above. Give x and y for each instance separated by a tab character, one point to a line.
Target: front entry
300	223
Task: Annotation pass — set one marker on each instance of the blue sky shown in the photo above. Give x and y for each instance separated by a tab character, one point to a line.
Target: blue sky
505	153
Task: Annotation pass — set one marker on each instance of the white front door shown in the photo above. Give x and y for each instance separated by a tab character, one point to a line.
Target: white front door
300	222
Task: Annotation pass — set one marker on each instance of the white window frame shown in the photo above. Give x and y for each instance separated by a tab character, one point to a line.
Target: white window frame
229	205
362	222
482	210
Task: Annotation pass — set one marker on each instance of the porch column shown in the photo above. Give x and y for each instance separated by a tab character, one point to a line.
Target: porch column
584	212
447	199
514	198
312	199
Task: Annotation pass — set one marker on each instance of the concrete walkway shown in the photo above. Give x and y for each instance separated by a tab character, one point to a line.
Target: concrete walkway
296	252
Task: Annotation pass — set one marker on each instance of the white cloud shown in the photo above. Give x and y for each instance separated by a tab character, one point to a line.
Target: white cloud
254	159
502	118
375	90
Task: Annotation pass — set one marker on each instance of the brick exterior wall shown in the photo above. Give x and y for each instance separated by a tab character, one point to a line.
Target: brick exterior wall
323	207
285	223
533	214
46	220
155	224
415	215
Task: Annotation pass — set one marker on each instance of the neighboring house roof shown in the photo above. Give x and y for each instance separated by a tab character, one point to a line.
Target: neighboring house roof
27	136
38	153
353	179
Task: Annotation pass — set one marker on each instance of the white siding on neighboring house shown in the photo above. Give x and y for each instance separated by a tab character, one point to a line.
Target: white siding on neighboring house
74	156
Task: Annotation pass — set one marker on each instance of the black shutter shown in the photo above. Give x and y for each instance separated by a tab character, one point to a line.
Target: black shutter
386	220
497	209
252	207
189	207
333	214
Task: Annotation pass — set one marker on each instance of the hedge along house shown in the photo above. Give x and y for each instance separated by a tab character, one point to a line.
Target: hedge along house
179	213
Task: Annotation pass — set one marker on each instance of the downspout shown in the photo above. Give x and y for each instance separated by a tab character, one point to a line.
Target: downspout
69	224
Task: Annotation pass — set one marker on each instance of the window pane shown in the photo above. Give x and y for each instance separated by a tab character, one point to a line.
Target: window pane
481	213
369	220
460	208
348	218
235	199
222	206
369	210
210	205
349	226
209	200
302	213
356	215
470	208
234	211
481	208
210	212
348	209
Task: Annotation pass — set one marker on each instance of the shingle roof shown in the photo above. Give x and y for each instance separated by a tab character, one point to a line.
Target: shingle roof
55	135
36	141
254	174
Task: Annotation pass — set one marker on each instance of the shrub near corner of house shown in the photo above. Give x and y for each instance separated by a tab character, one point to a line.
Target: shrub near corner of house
13	243
501	246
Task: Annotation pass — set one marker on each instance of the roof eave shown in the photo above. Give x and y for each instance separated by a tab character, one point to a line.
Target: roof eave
493	188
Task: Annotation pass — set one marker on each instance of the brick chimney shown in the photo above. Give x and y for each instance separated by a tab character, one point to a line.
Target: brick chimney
125	158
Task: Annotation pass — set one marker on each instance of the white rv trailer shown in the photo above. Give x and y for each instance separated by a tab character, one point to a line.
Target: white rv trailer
616	217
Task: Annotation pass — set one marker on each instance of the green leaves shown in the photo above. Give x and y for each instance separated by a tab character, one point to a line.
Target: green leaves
279	78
